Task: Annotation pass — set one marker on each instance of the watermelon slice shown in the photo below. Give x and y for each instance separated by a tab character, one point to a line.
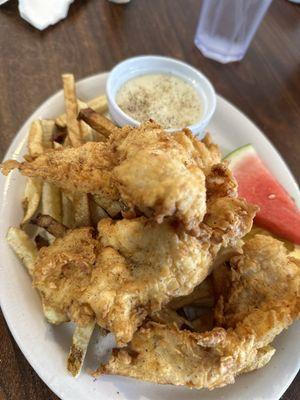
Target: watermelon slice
278	212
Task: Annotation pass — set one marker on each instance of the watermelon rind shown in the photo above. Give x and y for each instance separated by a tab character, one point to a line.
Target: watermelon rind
239	154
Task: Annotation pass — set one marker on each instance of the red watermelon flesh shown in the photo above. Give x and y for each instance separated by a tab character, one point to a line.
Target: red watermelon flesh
278	212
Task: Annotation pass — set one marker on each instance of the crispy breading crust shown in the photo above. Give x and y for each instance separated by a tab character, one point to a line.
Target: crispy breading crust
152	172
133	269
263	299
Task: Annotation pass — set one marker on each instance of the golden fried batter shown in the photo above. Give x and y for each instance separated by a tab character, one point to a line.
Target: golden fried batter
63	270
263	299
141	267
151	171
81	169
263	277
133	269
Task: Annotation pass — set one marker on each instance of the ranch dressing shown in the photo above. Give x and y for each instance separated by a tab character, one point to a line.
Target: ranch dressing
167	99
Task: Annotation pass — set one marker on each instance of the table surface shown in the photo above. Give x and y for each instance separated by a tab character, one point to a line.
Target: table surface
98	34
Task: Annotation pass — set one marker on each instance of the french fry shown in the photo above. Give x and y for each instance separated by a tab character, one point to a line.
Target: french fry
67	211
32	197
49	129
27	252
52	226
61	120
81	209
87	132
40	136
51	201
98	137
41	241
73	125
79	132
35	139
98	104
97	121
112	207
59	136
80	341
97	212
23	246
39	139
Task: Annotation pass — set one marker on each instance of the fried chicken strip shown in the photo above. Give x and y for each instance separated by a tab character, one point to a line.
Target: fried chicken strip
141	267
130	271
83	169
264	278
152	172
62	272
263	299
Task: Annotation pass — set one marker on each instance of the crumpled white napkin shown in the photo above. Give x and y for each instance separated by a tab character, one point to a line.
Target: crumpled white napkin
43	13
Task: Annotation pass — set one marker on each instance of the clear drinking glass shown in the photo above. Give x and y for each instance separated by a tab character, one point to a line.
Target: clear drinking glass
226	27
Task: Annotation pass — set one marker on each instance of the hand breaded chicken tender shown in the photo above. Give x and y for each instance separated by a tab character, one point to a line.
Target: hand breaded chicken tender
131	270
263	278
151	171
263	299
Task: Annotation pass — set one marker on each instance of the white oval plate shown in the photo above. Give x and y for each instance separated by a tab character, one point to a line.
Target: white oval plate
46	347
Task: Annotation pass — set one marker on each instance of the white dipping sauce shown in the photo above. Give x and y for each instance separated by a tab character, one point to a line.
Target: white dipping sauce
167	99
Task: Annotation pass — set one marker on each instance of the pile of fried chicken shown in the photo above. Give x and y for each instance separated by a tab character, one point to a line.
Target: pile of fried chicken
178	225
